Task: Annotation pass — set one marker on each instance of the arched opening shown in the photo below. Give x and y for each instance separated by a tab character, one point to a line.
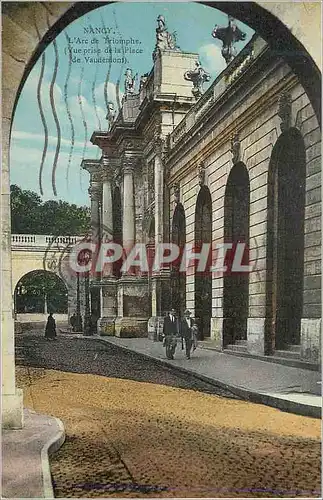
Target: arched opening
236	230
285	241
271	28
117	226
203	280
41	292
178	277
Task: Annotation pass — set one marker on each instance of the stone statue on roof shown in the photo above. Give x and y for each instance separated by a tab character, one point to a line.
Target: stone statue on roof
164	39
198	77
129	83
229	36
111	114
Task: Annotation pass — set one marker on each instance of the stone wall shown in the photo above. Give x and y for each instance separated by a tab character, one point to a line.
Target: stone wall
253	112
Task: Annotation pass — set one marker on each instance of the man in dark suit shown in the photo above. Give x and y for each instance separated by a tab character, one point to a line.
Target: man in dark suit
170	333
186	332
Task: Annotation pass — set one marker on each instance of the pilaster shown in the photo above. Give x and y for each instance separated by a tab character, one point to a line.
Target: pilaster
128	227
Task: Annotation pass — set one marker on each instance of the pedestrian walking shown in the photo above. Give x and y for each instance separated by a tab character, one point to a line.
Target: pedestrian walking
50	330
170	333
195	332
73	321
187	332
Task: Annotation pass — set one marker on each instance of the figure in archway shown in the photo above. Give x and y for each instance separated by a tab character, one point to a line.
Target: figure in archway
50	330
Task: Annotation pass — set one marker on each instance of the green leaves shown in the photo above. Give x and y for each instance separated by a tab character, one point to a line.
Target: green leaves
29	215
31	291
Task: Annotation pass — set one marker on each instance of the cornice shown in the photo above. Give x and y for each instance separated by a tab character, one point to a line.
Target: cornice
104	140
130	143
91	165
231	91
269	98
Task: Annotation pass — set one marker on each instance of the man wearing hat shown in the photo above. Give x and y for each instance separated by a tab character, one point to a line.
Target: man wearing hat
186	332
170	333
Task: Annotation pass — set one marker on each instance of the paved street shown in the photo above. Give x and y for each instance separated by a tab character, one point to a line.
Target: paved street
135	428
89	356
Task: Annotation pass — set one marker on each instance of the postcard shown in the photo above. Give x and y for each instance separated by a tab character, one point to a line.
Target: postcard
161	270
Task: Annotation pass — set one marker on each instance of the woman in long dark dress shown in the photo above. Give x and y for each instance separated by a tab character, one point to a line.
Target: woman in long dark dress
50	330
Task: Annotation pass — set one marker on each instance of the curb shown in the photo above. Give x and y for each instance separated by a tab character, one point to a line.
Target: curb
253	397
293	363
48	449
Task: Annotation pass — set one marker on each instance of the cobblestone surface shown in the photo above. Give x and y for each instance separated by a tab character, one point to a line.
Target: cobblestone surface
140	431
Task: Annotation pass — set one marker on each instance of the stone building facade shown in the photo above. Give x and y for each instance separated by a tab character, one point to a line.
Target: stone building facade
240	163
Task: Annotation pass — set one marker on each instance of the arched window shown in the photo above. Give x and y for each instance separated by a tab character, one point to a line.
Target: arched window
285	241
203	280
178	282
236	230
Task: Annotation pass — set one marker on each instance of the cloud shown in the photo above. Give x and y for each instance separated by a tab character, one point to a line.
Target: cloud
19	135
111	92
31	85
212	59
26	162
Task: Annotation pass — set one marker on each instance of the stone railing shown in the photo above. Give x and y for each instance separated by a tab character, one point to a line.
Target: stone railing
41	240
178	132
230	74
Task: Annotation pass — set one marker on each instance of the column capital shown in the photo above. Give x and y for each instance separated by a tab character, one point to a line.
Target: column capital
96	177
91	166
108	161
95	191
160	147
129	163
107	175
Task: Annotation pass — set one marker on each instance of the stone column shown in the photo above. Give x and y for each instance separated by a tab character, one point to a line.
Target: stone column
12	398
128	226
95	192
107	216
108	290
132	289
159	197
160	280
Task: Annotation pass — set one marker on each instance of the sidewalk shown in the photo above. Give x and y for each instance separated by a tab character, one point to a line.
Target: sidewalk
25	452
290	389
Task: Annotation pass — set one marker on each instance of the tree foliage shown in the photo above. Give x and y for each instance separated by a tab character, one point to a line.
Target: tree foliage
31	290
30	215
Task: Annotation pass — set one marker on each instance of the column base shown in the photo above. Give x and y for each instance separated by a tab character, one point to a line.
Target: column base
311	340
105	326
12	410
160	295
130	327
155	328
256	336
133	298
217	332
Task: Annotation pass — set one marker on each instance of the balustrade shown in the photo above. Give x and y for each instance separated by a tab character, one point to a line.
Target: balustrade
41	240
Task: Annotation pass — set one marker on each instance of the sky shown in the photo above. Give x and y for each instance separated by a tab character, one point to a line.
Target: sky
73	95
